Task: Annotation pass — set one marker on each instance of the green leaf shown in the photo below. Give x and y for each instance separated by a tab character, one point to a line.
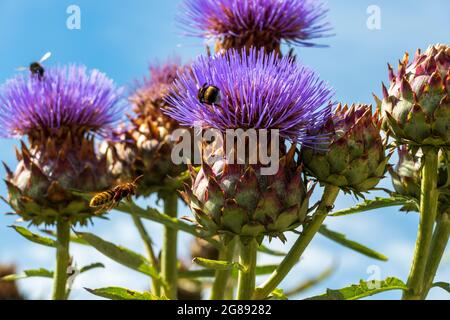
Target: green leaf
43	273
154	215
92	266
265	269
73	237
33	237
262	248
362	290
375	204
210	273
121	255
117	293
442	285
218	265
342	240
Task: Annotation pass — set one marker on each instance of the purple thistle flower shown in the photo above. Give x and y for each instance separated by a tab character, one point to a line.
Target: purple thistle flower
258	91
154	87
293	21
67	98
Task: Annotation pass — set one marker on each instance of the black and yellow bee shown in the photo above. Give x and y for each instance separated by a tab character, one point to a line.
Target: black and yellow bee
36	68
209	94
108	199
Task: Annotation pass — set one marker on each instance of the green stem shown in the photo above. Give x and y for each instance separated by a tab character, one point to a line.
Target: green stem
169	260
427	217
221	277
148	243
438	245
62	260
329	196
247	277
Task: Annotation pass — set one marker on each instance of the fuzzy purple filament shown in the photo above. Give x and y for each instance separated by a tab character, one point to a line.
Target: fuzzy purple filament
259	91
294	21
161	77
66	97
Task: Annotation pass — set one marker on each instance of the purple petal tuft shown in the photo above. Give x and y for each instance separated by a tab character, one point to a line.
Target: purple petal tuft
294	21
68	96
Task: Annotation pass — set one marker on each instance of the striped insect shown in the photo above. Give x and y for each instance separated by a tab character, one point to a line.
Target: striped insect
209	94
111	198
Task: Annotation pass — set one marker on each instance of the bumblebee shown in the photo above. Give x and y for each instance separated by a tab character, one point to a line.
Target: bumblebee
36	68
108	199
209	94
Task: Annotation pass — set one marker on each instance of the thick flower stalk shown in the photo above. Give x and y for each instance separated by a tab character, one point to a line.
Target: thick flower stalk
144	146
258	91
255	23
60	114
353	155
406	178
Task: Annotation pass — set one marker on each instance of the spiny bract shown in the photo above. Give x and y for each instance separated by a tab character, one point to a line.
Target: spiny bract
352	153
416	107
238	200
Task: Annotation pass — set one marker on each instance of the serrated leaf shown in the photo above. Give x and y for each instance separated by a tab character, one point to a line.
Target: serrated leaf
442	285
121	255
218	265
117	293
375	204
33	237
353	245
262	248
362	290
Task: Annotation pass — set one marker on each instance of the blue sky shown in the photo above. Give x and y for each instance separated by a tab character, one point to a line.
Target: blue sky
122	37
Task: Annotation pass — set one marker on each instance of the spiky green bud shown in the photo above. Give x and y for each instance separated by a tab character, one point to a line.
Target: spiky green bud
237	200
416	107
352	154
